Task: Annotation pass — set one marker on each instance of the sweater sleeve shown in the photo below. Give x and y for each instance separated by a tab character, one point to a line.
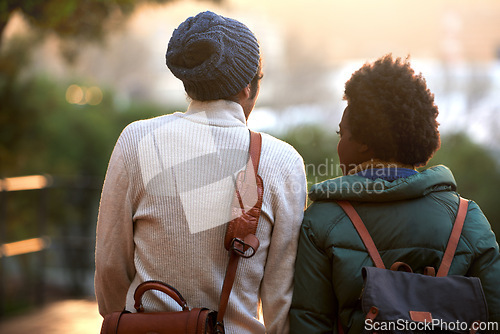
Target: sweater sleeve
277	283
314	303
114	253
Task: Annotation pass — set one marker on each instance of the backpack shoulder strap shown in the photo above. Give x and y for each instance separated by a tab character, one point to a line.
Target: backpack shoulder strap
372	249
363	233
454	238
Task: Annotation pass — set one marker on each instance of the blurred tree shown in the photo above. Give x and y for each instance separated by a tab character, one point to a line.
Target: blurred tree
23	104
318	148
476	171
15	118
81	19
46	134
74	20
41	133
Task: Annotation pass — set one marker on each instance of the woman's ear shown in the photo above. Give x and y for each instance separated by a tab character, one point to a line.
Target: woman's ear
362	148
245	93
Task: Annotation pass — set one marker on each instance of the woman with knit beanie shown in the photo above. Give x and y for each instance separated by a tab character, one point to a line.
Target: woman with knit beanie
168	190
388	129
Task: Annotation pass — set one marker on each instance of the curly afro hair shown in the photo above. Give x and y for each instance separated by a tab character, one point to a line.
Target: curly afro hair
393	112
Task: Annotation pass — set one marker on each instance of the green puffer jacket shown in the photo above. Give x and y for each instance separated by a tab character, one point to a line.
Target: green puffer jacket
409	219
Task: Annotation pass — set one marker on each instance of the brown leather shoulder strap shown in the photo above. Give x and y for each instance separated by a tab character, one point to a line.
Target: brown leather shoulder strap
372	249
363	233
255	148
449	253
251	240
374	254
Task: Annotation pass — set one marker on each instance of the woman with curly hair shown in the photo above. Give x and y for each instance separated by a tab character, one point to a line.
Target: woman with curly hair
388	129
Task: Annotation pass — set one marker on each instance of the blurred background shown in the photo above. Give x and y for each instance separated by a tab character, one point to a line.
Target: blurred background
74	73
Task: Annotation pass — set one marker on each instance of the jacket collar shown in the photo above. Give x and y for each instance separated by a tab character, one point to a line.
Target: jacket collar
358	188
385	170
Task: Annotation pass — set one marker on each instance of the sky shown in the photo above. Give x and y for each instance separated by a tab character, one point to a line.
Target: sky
366	28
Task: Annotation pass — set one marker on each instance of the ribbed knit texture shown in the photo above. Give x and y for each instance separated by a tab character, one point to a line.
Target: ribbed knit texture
214	56
164	209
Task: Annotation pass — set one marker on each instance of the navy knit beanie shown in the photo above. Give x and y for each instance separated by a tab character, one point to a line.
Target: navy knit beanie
214	56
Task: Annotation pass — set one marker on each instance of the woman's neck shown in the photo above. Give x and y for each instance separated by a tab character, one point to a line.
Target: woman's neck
378	164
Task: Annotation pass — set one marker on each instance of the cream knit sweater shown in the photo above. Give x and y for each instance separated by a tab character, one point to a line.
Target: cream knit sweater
164	208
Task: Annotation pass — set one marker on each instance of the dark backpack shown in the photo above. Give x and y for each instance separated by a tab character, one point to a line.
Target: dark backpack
400	301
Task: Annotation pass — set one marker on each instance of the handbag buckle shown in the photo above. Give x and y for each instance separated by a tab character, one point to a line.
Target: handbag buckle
219	327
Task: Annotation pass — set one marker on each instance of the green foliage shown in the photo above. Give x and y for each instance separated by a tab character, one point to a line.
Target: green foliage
14	117
477	172
43	133
73	18
40	132
75	21
476	169
318	148
80	19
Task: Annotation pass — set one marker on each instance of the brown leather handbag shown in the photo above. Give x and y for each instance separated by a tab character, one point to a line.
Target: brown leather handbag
195	321
240	241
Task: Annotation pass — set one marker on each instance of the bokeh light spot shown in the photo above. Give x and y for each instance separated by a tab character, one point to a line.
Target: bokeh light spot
74	94
82	95
93	96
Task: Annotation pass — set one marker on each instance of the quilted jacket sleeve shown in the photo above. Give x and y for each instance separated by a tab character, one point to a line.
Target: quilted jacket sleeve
486	261
313	303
